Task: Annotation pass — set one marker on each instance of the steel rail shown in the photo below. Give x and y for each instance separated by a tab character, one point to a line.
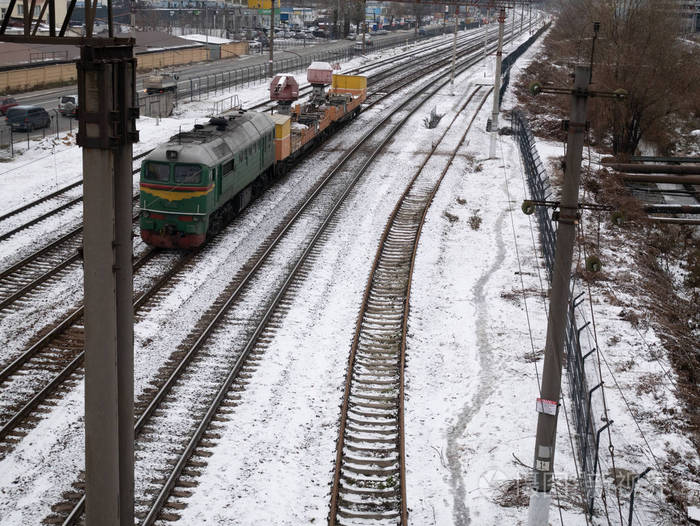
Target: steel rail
38	281
72	235
201	429
77	361
73	258
77	510
40	200
465	39
56	193
382	74
381	250
221	393
72	317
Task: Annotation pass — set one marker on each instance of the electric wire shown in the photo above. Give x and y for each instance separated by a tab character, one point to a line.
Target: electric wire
611	447
522	283
520	270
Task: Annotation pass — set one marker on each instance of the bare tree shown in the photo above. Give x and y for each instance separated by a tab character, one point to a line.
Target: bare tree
639	49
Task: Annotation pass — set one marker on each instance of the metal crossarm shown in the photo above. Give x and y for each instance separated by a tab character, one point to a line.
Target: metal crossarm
30	25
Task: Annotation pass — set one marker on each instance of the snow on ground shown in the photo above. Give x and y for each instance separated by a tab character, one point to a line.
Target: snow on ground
206	39
471	381
470	384
298	384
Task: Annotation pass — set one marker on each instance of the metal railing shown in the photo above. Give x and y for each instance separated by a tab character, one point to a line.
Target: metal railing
59	126
226	104
588	430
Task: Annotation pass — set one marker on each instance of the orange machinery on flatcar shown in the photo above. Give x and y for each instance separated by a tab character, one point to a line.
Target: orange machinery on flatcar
297	127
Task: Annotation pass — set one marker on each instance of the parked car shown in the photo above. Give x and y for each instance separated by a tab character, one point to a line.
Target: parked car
381	32
7	103
68	105
28	118
320	33
422	31
351	36
254	46
358	42
368	40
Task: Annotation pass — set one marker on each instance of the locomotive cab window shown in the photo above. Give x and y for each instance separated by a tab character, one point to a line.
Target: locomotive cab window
188	173
158	172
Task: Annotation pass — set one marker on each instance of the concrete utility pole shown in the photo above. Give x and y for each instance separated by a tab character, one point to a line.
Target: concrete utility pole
364	24
512	28
444	20
454	52
497	84
417	22
107	93
337	21
272	38
548	403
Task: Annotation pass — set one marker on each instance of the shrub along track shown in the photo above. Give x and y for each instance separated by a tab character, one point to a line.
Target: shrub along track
175	415
369	480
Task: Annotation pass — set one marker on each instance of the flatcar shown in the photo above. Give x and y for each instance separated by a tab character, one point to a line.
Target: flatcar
195	183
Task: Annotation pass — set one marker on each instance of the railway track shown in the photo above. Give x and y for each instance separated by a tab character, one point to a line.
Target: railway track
21	423
369	480
50	263
65	264
174	422
35	374
64	197
398	64
11	222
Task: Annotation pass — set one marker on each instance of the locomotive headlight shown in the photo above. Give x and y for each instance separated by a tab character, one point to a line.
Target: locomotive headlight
145	214
195	218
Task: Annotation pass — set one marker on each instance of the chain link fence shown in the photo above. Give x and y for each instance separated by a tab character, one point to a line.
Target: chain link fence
515	55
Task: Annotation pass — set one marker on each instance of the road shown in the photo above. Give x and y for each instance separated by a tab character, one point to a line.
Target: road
48	98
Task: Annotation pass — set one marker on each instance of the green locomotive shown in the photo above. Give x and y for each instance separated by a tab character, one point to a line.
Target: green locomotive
199	179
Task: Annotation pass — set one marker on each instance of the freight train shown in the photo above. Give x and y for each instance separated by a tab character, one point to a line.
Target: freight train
195	183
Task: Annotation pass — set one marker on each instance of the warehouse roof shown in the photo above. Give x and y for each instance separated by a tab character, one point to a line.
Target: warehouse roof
12	54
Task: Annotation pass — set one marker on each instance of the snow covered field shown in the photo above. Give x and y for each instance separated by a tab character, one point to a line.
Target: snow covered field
477	319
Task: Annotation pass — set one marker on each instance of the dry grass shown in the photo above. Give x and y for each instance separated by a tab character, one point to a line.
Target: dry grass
452	218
